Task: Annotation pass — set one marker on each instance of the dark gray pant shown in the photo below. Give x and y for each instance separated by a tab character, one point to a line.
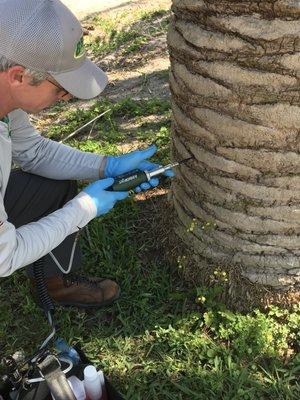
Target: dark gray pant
30	197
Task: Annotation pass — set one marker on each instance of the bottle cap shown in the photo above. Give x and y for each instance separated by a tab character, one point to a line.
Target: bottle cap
90	372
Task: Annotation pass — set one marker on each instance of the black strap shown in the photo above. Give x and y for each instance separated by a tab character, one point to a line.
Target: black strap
55	378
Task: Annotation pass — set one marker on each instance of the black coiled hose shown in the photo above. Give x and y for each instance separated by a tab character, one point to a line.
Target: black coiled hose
39	275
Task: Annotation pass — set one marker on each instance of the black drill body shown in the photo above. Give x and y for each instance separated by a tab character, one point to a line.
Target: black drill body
130	180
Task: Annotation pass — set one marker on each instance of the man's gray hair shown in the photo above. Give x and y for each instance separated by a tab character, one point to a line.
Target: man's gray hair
36	76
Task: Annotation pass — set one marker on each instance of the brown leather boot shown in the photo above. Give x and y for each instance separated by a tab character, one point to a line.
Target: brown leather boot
78	291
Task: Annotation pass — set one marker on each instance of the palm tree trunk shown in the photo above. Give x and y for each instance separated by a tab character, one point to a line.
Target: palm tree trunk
235	70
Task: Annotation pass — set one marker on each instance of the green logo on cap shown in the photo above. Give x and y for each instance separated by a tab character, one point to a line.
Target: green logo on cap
79	50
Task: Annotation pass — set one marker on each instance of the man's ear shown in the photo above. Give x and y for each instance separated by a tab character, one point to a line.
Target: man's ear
16	75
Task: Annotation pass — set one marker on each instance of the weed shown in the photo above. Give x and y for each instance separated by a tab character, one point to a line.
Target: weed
209	225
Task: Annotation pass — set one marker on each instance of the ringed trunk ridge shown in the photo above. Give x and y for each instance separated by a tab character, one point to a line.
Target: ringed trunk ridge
235	82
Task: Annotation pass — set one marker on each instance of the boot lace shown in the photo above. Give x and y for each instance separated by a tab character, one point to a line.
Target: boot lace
79	280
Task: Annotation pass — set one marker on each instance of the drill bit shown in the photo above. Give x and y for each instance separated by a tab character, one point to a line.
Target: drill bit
161	170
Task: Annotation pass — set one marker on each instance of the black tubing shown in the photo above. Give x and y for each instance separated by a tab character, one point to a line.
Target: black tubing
39	275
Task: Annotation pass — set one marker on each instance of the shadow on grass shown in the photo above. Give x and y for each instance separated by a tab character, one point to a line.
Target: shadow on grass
146	86
120	46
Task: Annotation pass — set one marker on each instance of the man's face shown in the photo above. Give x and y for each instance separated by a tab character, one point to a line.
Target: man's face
34	99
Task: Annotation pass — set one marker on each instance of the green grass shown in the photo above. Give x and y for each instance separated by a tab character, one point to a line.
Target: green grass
157	341
107	132
128	31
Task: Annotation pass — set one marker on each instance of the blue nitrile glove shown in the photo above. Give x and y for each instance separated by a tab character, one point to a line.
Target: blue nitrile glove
135	160
104	199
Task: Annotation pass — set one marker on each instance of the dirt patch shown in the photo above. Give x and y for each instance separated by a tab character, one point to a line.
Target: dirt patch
83	8
133	5
150	80
143	73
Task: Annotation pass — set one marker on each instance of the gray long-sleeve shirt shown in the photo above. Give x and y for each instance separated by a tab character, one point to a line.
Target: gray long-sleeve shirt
22	144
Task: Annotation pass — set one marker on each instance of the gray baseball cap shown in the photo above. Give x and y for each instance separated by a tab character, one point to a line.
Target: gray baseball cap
45	36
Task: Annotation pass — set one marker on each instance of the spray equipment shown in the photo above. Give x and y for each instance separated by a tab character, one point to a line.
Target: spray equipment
21	372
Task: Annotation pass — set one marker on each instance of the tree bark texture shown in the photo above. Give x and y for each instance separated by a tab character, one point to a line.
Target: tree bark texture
235	82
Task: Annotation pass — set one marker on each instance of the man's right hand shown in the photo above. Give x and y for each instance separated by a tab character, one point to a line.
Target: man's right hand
104	199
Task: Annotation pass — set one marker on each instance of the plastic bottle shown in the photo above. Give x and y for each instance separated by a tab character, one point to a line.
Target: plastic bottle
67	351
77	387
92	383
102	380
